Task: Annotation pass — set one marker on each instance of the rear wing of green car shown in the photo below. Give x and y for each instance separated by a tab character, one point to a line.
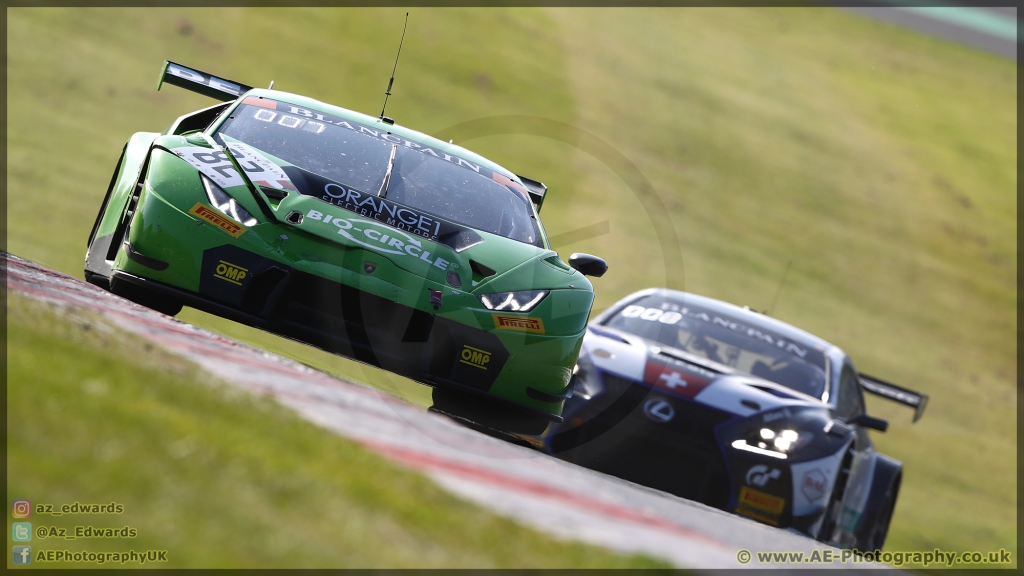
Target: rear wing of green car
201	82
915	400
536	189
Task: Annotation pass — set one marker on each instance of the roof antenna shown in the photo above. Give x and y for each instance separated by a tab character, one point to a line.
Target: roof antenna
271	87
387	92
779	291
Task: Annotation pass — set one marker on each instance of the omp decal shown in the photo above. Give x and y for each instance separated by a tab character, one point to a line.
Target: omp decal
519	323
813	484
760	475
674	379
230	272
210	215
475	357
659	410
365	233
762	505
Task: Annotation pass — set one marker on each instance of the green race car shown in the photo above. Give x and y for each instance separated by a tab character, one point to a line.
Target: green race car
355	235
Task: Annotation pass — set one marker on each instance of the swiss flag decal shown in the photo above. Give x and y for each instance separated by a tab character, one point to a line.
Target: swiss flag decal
673	379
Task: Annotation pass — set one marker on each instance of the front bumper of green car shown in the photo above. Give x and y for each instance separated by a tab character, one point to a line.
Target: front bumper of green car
352	301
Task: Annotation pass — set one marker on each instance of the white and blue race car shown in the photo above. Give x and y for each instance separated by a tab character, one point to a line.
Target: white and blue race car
729	407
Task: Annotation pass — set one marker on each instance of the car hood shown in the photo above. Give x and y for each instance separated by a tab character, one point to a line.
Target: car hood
678	373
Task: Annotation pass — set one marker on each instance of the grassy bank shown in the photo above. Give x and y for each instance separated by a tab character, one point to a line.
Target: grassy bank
219	477
881	163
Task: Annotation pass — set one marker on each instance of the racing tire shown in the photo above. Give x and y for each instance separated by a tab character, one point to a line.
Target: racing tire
145	297
835	501
487	413
880	527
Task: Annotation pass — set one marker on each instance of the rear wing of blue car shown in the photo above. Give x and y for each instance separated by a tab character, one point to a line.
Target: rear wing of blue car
915	400
201	82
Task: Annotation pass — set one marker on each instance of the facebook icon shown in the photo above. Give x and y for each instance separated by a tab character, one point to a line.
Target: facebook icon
22	555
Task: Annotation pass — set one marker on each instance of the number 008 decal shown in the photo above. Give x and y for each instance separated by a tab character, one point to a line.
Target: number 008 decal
651	314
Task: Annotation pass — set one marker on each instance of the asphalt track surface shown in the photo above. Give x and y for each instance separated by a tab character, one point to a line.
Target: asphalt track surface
992	29
550	495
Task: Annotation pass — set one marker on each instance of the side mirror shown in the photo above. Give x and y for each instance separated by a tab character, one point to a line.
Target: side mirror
588	265
870	422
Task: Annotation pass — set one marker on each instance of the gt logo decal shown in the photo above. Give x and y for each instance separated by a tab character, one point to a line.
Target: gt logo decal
204	212
475	357
519	323
760	475
230	272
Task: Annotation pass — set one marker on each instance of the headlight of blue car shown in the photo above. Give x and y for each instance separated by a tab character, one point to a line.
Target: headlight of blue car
787	433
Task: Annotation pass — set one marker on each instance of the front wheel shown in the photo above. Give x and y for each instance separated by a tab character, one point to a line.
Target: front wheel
827	533
880	528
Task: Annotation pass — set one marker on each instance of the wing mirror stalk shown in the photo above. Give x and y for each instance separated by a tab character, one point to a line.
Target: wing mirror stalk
870	422
588	265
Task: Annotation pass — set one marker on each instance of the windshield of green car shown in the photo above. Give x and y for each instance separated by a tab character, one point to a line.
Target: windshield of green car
744	345
359	157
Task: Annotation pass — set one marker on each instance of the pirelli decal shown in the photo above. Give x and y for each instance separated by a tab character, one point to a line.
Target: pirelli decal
204	212
759	505
519	323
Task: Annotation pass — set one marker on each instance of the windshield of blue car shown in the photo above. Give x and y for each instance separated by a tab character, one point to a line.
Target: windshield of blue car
723	339
358	157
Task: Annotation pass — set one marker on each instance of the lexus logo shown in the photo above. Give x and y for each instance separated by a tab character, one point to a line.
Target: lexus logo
659	410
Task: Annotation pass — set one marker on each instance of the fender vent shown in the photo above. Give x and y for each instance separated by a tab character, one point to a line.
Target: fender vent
480	271
261	287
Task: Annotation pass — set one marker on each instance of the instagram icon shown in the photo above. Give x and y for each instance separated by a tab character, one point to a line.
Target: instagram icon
21	509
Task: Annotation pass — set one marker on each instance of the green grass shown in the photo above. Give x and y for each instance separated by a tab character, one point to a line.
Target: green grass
223	478
880	162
